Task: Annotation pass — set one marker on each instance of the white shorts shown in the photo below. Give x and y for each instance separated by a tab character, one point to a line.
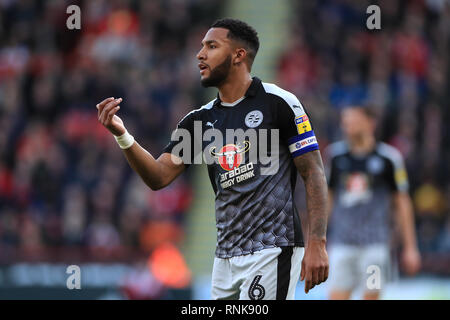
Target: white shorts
267	274
364	268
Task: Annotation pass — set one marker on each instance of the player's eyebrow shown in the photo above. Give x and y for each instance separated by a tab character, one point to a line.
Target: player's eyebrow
207	42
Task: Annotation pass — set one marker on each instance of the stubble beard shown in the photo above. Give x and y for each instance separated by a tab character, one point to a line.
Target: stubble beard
218	75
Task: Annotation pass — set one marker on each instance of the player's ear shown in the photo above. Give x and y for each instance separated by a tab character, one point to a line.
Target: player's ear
240	55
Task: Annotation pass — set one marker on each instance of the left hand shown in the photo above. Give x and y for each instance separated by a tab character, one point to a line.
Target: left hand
314	264
410	260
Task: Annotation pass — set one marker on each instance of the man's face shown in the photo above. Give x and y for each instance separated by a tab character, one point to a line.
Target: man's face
215	57
355	123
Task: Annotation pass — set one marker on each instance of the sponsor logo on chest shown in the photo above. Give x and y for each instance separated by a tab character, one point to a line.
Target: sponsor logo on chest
230	158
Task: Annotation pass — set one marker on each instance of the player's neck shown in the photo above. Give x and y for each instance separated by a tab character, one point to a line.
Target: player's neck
235	87
362	145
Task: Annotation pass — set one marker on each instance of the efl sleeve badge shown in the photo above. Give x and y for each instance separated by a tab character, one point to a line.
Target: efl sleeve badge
303	124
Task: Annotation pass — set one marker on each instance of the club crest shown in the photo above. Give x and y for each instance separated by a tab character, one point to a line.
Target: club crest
253	118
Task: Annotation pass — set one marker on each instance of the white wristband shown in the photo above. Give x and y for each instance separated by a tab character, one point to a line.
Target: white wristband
125	141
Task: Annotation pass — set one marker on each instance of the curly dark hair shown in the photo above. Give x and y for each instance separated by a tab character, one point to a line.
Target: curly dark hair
242	32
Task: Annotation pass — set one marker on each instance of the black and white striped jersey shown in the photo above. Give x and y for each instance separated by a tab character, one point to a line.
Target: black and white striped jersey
249	146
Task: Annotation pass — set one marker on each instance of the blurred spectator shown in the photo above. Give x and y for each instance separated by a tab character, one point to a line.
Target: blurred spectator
63	180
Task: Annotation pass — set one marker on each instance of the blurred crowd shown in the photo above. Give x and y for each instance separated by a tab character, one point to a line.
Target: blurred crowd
64	183
402	71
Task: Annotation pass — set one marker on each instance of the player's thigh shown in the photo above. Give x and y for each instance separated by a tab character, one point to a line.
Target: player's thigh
373	266
343	271
271	274
222	282
296	268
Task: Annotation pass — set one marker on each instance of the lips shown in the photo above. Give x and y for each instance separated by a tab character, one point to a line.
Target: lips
202	67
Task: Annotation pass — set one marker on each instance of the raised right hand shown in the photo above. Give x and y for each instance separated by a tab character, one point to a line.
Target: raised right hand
107	116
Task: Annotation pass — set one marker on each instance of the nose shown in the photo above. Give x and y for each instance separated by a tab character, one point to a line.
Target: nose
201	55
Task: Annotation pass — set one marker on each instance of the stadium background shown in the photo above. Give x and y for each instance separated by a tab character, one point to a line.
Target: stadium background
67	196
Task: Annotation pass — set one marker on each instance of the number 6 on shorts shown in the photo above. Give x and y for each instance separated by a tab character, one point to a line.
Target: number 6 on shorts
256	291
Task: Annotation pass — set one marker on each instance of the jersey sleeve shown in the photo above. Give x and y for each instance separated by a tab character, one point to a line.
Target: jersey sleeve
182	140
398	174
295	127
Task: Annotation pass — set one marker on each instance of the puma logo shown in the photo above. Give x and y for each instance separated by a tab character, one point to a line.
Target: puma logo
209	124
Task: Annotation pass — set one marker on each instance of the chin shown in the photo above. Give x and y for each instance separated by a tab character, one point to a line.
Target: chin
205	82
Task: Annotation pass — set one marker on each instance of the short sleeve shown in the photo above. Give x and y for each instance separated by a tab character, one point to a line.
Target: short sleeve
296	128
182	140
398	175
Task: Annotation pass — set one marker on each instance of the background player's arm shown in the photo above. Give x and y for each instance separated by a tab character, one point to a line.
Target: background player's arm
156	173
403	208
330	203
315	262
331	177
403	213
